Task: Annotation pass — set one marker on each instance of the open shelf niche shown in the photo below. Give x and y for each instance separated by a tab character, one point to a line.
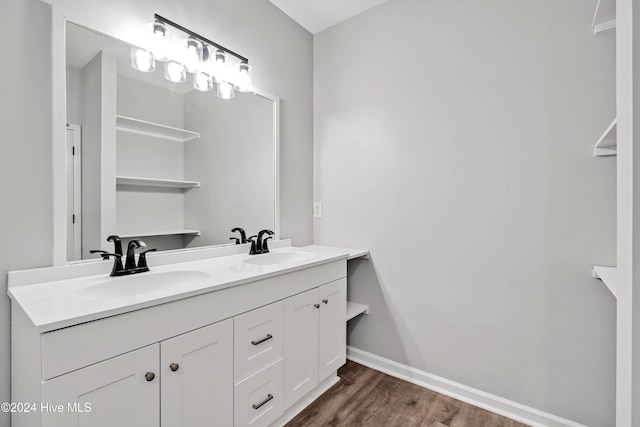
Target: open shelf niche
355	309
136	137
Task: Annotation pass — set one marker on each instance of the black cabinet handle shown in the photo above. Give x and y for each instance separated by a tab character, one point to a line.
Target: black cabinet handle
261	404
150	376
268	337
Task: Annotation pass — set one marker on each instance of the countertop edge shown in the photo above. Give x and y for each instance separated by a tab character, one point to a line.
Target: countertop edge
49	326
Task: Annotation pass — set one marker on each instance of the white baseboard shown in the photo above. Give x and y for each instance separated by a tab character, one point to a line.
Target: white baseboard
307	400
479	398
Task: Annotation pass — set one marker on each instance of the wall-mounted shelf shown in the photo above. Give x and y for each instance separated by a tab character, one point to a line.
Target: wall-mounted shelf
354	309
604	19
604	27
152	182
608	143
609	276
173	232
141	127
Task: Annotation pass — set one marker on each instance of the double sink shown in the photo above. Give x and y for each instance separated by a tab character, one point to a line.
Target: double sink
154	281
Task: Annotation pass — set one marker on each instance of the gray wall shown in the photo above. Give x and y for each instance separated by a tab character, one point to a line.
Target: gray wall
279	49
25	157
454	140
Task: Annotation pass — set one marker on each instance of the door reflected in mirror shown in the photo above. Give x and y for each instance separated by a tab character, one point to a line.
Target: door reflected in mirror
160	161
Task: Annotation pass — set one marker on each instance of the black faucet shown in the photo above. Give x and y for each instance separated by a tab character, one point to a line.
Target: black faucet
259	246
243	236
117	244
130	266
117	249
131	253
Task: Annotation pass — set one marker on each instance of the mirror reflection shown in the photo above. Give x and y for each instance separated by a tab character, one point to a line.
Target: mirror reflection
158	160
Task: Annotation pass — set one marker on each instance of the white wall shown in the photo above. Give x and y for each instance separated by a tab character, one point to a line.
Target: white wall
233	160
454	139
279	49
25	156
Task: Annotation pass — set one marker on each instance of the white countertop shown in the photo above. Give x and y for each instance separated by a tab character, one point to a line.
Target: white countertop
61	303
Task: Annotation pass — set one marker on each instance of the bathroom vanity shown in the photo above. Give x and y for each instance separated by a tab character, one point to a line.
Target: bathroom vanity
224	340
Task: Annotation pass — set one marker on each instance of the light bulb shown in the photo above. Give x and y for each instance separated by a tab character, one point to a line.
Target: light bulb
202	82
243	77
160	41
220	65
193	55
226	91
142	60
174	71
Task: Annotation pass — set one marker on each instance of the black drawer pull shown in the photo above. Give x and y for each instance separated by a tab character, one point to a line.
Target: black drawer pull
267	338
264	402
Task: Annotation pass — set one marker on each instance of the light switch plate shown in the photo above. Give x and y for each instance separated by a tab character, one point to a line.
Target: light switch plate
317	209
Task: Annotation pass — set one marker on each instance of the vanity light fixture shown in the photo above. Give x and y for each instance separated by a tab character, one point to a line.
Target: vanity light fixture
174	71
142	60
243	80
161	41
226	91
202	82
184	51
220	66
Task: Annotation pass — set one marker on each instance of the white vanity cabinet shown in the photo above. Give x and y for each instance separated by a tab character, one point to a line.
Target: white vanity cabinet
315	344
183	381
115	392
217	358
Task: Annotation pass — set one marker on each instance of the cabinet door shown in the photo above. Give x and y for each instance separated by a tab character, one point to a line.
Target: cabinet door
301	315
197	380
123	391
333	327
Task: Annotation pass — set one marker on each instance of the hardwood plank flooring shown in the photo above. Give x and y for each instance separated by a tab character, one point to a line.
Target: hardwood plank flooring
368	398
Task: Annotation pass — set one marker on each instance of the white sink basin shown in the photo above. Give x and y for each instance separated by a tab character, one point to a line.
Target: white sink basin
274	258
141	283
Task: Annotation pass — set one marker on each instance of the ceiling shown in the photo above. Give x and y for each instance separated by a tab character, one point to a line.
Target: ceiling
317	15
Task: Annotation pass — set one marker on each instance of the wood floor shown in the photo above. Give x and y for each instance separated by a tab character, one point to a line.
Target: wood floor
365	397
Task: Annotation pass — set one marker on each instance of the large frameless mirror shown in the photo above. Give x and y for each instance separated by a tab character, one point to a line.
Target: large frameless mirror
157	160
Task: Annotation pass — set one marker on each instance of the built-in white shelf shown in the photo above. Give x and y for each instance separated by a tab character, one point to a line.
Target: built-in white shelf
604	27
607	144
609	276
172	232
604	19
354	309
358	253
153	182
156	130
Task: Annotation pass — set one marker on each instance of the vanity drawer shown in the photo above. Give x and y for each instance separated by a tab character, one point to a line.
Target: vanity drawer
259	399
257	340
